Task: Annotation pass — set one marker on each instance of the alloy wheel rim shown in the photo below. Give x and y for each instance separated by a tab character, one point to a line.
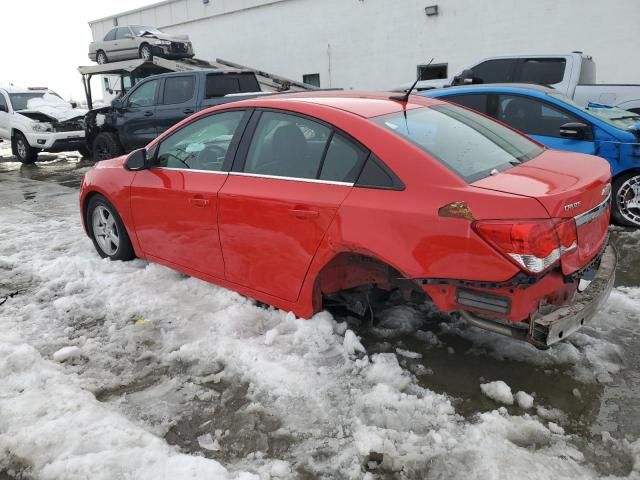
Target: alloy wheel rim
21	148
105	230
628	199
101	59
146	53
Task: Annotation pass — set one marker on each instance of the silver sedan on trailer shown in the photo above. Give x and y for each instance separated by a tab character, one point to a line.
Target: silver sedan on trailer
138	41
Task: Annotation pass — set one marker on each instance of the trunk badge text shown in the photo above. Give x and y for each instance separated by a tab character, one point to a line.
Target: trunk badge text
571	206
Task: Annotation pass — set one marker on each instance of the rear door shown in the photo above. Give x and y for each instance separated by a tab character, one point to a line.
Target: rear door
542	121
175	203
177	102
280	198
137	123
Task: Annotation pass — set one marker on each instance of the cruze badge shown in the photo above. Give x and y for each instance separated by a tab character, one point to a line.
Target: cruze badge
571	206
606	190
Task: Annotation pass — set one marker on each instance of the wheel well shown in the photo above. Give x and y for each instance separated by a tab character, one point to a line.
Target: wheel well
626	172
85	206
347	271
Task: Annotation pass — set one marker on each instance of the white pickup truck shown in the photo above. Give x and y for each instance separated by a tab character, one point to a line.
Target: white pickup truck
573	74
37	119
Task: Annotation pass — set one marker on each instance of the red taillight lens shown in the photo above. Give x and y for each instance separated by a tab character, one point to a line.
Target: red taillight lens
534	245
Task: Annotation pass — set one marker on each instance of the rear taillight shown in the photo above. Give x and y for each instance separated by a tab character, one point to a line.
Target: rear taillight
534	245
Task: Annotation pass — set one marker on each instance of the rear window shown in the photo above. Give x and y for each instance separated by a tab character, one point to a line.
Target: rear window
219	85
471	145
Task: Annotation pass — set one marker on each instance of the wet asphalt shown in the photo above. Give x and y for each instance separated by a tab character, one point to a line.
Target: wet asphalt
454	368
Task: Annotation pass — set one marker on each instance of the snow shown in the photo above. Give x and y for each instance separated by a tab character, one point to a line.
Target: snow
201	348
65	353
351	343
524	400
55	107
498	391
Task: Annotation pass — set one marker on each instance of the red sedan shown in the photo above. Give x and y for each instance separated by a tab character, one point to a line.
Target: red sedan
294	199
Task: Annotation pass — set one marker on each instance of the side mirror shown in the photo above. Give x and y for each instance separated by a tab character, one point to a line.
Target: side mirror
575	130
117	103
74	105
465	78
128	35
3	108
137	160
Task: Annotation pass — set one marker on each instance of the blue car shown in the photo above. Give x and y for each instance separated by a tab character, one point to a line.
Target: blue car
557	122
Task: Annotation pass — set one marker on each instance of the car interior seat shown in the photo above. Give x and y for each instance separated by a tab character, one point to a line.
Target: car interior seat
288	153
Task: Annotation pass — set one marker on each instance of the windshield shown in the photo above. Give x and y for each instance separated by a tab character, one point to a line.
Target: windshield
24	101
614	116
468	143
140	29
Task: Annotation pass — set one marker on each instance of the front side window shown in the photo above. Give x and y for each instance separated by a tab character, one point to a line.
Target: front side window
201	145
533	116
468	143
287	146
111	35
543	71
122	33
144	95
178	89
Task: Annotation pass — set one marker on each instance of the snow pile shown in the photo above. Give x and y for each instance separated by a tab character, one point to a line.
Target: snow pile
66	433
185	345
524	400
498	391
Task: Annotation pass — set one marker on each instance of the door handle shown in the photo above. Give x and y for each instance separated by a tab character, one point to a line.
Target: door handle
188	111
199	202
148	114
303	213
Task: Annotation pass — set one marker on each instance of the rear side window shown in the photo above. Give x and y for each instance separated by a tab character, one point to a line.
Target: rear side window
287	146
543	71
475	102
111	35
343	160
469	144
376	174
219	85
178	89
495	71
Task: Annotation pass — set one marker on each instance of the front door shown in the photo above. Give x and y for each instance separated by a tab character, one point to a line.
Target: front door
175	203
5	128
277	204
137	121
542	121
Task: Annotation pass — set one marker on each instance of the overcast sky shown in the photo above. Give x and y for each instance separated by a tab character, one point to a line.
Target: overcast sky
44	41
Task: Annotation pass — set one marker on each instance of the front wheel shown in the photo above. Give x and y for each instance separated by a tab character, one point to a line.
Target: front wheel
101	58
626	200
145	53
106	229
107	145
25	152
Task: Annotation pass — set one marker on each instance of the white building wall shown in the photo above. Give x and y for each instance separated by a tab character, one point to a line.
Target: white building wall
379	43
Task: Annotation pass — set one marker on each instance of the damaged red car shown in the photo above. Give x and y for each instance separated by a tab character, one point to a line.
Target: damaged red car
295	199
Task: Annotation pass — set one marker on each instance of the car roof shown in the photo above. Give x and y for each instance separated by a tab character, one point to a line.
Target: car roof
491	87
363	104
25	90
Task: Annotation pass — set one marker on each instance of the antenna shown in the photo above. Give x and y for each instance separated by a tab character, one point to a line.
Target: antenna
405	98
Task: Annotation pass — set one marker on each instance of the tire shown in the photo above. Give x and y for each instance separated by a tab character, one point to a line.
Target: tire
145	52
23	151
107	145
101	58
84	151
107	230
626	200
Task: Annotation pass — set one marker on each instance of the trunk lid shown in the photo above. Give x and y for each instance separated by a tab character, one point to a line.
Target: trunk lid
567	185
